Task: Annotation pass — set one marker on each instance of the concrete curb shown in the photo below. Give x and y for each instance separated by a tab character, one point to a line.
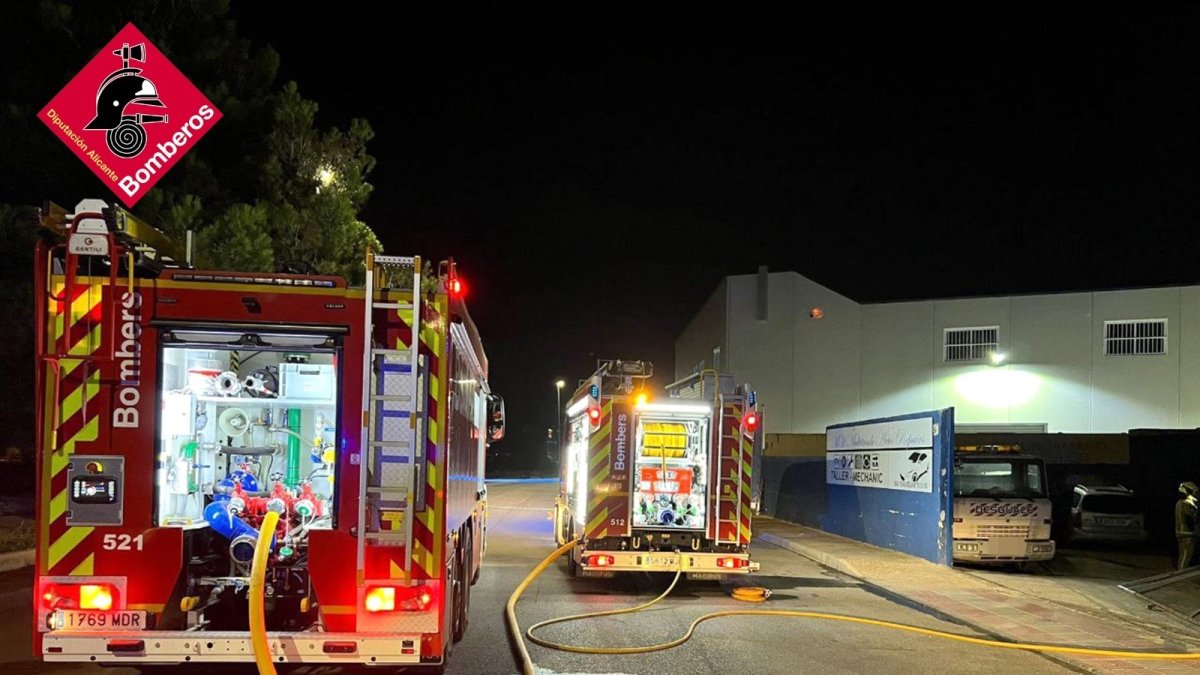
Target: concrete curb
822	557
17	559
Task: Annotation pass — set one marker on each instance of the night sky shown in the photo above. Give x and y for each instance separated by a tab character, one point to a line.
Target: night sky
595	192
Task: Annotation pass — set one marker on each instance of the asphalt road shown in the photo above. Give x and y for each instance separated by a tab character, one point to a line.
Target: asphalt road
520	536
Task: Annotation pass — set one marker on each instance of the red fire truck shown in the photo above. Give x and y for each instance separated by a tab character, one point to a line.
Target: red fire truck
651	486
177	407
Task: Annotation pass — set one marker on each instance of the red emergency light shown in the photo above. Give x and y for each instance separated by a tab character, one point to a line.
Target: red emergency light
594	414
93	596
391	599
96	596
457	287
750	419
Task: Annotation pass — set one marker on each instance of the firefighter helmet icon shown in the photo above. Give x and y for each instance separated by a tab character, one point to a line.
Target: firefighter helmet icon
126	136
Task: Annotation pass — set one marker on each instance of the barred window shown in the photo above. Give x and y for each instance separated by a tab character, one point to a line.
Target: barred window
970	344
1135	337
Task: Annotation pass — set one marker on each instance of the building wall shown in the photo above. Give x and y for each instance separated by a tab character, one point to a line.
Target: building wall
1049	338
705	332
894	372
877	360
775	353
825	356
760	350
1137	391
1188	333
1055	372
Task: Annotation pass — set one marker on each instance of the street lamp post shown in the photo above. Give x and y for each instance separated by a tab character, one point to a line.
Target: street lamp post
554	455
558	387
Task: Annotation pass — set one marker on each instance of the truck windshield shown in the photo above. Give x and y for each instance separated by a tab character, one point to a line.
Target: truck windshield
999	478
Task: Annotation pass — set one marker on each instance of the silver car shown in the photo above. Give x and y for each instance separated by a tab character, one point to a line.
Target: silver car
1106	513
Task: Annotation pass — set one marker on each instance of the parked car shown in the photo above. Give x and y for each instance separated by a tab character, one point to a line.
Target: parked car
1106	513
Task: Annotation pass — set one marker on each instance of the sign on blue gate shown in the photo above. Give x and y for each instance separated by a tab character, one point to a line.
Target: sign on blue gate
896	455
889	482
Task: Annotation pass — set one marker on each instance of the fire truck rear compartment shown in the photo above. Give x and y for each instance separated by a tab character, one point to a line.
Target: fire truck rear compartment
248	425
670	483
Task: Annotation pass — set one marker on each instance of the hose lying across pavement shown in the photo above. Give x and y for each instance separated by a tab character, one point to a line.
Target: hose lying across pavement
758	595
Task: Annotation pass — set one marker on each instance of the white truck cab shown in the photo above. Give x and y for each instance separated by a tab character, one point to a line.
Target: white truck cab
1001	512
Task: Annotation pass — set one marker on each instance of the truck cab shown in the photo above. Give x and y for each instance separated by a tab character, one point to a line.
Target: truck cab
1001	511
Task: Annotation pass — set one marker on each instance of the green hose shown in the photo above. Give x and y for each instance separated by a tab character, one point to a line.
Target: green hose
293	448
189	454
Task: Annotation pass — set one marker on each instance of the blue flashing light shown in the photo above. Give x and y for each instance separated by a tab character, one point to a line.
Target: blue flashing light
594	391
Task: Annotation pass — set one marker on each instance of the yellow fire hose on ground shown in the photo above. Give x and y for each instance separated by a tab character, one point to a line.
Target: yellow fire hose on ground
759	595
258	578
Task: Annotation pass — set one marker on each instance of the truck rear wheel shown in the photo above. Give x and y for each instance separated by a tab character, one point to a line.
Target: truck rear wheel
461	589
572	563
469	575
471	553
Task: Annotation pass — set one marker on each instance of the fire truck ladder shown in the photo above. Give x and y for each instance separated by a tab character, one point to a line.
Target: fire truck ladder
109	236
393	458
729	486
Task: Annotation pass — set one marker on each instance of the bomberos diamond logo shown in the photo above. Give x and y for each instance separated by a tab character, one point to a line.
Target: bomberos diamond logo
130	115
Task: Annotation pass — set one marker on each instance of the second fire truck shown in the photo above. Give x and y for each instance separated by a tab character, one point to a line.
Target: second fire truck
657	486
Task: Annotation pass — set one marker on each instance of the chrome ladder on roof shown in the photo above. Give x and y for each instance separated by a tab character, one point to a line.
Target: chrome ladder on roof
391	465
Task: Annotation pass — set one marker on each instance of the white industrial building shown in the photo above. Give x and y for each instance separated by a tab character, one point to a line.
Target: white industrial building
1097	362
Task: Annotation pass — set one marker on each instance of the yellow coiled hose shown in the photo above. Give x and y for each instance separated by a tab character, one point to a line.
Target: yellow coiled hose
755	594
258	580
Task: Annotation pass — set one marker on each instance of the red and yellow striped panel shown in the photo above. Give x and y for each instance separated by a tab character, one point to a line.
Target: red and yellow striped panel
733	471
745	512
599	455
428	535
73	418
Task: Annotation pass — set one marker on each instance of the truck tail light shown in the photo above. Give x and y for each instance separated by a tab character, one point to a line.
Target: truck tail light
96	596
392	599
381	599
732	563
600	560
422	600
126	646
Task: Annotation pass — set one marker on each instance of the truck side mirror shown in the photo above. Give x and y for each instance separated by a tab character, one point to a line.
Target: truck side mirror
495	418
